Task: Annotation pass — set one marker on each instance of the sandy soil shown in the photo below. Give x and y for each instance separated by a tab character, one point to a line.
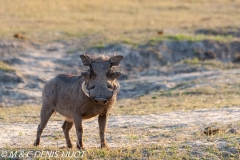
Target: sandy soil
126	130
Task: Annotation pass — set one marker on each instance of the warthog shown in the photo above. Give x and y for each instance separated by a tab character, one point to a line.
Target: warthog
82	97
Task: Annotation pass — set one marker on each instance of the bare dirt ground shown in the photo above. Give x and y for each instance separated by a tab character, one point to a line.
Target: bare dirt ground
145	69
144	129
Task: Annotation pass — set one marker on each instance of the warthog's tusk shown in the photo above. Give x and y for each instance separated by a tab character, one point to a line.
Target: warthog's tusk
117	89
84	89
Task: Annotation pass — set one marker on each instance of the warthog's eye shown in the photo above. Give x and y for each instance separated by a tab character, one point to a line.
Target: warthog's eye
91	87
109	86
91	72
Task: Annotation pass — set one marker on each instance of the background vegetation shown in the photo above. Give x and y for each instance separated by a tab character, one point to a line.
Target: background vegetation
112	21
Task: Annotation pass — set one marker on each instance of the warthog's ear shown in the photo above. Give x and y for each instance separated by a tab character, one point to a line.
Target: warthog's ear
115	60
86	60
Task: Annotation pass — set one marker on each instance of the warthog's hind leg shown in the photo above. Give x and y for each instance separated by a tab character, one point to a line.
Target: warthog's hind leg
45	115
66	127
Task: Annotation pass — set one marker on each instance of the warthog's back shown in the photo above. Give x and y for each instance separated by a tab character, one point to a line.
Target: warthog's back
61	85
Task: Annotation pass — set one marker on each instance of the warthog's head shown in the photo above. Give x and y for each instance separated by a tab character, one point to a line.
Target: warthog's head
100	80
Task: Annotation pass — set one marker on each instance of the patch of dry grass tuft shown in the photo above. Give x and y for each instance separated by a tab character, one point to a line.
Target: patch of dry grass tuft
6	67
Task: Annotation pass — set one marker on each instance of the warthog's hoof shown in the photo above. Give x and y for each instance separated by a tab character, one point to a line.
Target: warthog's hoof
81	147
69	145
104	146
35	143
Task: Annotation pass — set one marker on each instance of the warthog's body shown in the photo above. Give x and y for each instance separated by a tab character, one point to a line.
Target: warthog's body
64	94
81	97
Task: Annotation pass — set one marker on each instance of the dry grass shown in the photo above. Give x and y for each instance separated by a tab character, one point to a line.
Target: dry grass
185	96
110	21
28	114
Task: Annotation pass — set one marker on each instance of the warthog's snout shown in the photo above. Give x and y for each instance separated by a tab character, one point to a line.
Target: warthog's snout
100	94
100	100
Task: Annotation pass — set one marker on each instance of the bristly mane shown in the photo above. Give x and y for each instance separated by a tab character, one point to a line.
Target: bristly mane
99	58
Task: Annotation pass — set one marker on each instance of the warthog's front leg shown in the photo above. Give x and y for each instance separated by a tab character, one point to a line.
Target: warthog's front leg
102	121
79	129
